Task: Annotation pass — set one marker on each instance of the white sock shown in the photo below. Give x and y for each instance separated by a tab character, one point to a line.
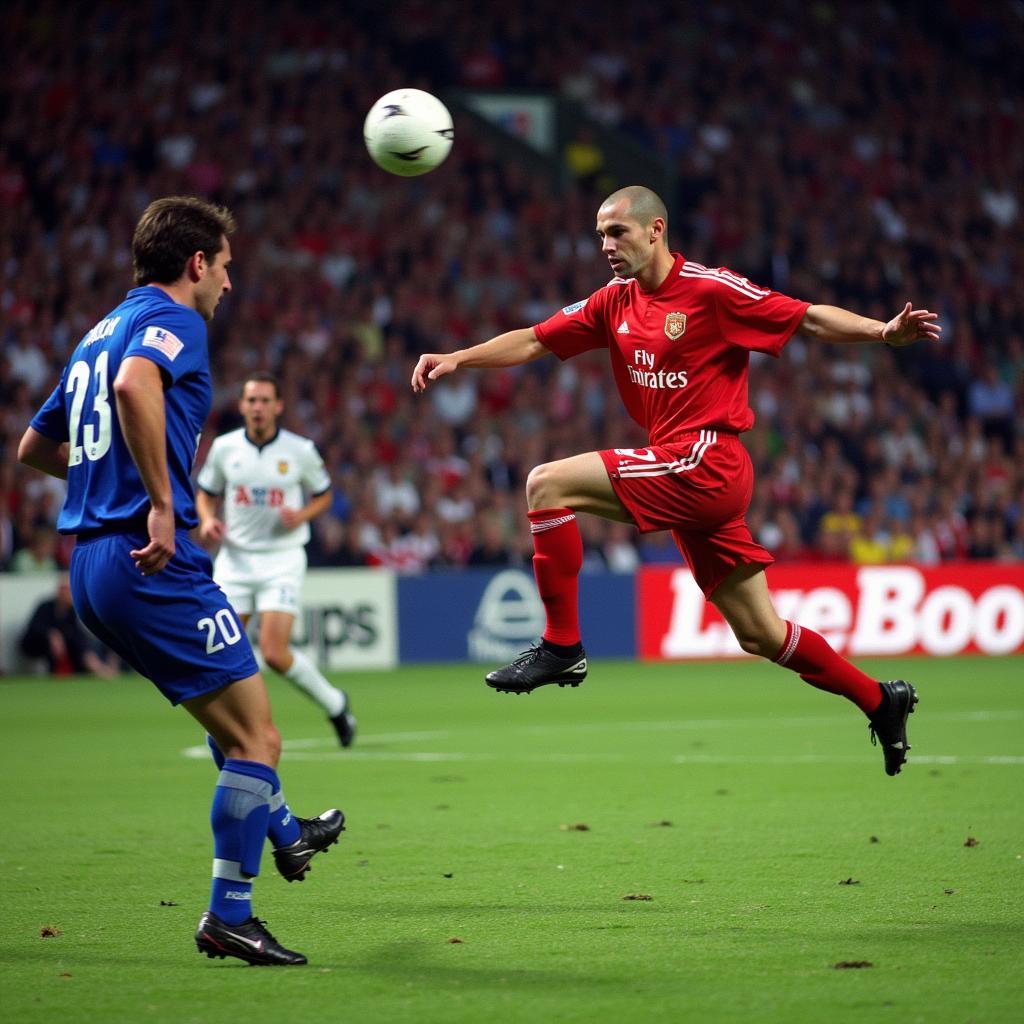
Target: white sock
306	676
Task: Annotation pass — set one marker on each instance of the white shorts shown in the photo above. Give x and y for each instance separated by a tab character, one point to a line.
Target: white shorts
261	581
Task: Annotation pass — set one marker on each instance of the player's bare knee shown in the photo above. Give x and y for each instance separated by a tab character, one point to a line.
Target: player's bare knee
542	487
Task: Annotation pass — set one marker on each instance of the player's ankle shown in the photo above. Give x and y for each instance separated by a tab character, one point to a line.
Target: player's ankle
563	650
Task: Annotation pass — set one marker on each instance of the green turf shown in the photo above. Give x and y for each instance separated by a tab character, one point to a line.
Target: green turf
736	798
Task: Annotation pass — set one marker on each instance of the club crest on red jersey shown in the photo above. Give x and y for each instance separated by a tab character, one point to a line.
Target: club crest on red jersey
675	326
282	467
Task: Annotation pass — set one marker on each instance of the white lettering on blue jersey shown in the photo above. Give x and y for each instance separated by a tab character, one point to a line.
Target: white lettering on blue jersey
104	486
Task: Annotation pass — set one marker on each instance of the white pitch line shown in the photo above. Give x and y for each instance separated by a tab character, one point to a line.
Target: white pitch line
612	758
607	757
201	752
373	739
771	721
784	759
381	755
600	757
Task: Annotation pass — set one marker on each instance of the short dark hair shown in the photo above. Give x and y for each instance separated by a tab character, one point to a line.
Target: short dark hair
171	230
262	377
644	204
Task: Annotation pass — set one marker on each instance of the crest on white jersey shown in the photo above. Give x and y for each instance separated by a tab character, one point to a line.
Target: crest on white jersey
282	467
675	325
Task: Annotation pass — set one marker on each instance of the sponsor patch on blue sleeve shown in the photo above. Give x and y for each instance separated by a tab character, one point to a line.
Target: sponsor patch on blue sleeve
164	341
575	307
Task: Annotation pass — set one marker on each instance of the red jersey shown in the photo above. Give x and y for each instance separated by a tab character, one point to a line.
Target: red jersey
680	353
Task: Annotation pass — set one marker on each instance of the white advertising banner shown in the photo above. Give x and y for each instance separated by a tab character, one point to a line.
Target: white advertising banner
349	618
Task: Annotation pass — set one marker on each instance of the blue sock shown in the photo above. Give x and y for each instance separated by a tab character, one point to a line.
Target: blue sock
283	829
239	818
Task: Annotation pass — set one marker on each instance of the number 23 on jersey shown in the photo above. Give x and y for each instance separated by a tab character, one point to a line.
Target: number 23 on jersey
95	437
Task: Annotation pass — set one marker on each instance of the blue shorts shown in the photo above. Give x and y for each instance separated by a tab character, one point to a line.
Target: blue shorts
175	627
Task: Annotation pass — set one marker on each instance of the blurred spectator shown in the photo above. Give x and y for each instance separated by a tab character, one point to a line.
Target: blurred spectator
55	634
39	555
789	545
983	538
620	551
902	446
583	157
395	492
926	550
991	399
878	179
902	543
334	543
841	524
870	545
491	547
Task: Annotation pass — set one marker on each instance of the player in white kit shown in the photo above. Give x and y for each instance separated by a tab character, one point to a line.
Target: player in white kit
262	473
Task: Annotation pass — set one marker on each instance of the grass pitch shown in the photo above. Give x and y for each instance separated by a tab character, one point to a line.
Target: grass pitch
666	843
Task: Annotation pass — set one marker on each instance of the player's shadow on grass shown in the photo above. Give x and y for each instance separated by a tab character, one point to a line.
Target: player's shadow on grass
69	957
538	909
421	962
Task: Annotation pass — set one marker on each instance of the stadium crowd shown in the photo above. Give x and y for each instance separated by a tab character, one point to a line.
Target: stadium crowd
861	163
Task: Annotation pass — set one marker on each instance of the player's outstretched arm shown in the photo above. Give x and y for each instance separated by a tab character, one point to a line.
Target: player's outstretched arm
43	453
509	349
139	394
831	323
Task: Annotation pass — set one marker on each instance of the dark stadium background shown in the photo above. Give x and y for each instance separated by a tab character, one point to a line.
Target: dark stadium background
856	154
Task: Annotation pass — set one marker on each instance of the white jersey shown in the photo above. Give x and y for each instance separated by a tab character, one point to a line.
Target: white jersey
257	482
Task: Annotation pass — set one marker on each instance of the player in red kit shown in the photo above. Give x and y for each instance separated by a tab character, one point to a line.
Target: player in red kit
679	336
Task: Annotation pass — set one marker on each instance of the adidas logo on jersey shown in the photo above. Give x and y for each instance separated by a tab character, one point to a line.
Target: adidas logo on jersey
623	328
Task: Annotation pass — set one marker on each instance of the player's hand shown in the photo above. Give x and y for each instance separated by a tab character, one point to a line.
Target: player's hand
910	325
290	518
211	531
160	549
431	366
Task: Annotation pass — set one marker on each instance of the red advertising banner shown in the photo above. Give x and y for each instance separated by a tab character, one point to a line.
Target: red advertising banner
860	609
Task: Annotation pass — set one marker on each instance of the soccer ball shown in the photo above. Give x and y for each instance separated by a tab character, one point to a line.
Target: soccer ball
408	132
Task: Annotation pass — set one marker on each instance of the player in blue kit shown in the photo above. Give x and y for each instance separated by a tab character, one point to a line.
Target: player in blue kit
122	428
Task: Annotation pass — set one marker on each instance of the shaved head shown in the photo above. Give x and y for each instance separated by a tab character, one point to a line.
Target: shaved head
643	204
632	225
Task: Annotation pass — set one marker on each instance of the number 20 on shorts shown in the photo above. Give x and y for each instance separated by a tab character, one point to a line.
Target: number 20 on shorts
222	623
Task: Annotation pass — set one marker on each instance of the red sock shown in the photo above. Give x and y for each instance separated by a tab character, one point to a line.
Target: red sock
557	560
809	654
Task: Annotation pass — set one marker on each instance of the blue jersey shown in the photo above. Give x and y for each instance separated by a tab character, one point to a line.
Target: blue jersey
104	486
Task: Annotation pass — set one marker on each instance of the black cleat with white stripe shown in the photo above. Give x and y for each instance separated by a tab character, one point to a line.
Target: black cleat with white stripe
539	666
888	725
315	835
249	941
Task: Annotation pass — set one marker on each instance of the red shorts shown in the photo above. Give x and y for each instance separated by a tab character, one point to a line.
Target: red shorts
699	488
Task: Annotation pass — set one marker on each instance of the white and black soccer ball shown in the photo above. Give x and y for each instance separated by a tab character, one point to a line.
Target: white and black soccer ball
408	132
